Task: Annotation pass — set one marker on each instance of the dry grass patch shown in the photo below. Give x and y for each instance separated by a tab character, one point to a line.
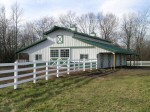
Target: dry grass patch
125	90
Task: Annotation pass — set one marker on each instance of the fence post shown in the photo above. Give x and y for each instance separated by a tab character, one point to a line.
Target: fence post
91	65
16	75
68	66
58	67
34	72
46	70
84	64
96	64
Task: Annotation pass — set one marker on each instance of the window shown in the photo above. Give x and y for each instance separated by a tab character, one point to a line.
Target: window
64	53
84	56
60	39
54	53
60	53
38	57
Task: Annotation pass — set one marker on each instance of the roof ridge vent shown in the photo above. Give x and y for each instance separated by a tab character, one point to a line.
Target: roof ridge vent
93	34
73	27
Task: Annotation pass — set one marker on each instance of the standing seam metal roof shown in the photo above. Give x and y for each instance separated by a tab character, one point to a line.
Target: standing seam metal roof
95	41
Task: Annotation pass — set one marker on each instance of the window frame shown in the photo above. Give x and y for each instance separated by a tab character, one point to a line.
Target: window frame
51	53
84	56
59	52
38	57
62	39
64	56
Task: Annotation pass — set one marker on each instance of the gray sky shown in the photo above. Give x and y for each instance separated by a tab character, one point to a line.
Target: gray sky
34	9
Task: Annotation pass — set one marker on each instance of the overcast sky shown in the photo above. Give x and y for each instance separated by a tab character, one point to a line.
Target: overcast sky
34	9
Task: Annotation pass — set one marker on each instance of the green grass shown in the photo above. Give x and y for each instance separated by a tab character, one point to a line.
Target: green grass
121	91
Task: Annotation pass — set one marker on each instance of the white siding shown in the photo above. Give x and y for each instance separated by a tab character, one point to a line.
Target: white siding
76	47
41	48
92	52
68	40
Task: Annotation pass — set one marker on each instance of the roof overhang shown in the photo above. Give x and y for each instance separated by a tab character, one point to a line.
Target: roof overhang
40	41
109	47
92	40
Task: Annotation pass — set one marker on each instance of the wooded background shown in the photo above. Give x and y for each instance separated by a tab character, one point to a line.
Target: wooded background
131	31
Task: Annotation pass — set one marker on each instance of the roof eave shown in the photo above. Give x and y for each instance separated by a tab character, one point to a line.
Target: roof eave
31	45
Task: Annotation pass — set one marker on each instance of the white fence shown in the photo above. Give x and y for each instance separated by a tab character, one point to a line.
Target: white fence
13	74
138	63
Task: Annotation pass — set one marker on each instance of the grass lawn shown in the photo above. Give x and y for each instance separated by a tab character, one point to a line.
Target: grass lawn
125	90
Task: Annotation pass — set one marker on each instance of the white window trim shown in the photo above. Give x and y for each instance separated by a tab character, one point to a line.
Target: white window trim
59	51
38	57
58	36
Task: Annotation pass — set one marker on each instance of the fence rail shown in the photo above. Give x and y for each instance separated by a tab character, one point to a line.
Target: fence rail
13	74
138	63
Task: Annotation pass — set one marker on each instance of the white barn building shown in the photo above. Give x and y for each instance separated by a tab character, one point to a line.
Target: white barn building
60	42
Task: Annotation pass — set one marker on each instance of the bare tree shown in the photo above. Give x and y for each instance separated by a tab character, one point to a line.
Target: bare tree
9	28
133	30
42	25
3	26
107	25
68	19
33	31
6	39
16	17
87	23
141	27
28	35
128	30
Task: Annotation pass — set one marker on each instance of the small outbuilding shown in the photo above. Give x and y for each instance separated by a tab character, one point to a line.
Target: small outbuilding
60	42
